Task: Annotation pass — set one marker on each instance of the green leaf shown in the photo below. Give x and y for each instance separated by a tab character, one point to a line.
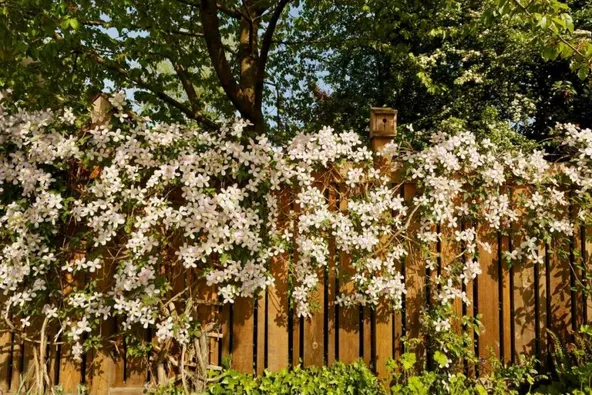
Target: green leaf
408	360
74	24
441	359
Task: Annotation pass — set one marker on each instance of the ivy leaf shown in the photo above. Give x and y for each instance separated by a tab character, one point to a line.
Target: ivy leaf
408	360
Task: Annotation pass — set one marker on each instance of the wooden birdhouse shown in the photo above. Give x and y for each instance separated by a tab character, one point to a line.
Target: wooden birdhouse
100	112
383	122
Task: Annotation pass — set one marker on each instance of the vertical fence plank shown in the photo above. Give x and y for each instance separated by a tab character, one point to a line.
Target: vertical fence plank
396	333
559	272
384	338
525	295
387	326
5	357
366	334
294	322
349	318
260	355
314	344
120	359
469	311
52	361
70	375
330	323
507	302
313	328
242	335
577	254
102	370
224	349
449	251
587	239
17	363
278	306
208	311
488	299
136	369
29	355
524	306
415	275
540	305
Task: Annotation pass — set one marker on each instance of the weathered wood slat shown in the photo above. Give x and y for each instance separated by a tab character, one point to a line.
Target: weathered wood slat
5	359
331	327
524	293
314	344
226	331
260	357
70	375
587	237
278	295
349	317
541	312
415	275
577	254
242	335
488	298
277	321
103	366
384	319
294	322
559	281
366	335
524	307
506	323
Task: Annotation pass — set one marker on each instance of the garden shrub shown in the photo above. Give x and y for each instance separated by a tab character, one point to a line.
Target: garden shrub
338	379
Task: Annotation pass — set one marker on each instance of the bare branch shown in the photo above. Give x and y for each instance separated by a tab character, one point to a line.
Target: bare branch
195	115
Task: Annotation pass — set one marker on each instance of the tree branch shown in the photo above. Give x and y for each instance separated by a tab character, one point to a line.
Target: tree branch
211	29
266	46
187	86
196	115
561	38
232	12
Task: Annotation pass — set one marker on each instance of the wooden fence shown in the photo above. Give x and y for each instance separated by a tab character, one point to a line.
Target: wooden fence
517	306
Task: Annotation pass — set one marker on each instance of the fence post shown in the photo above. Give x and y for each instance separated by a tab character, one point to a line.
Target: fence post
103	364
381	327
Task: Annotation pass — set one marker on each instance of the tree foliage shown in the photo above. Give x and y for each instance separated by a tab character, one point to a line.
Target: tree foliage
482	62
290	63
197	59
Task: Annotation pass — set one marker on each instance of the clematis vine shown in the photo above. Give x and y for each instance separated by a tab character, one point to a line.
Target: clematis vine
95	218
